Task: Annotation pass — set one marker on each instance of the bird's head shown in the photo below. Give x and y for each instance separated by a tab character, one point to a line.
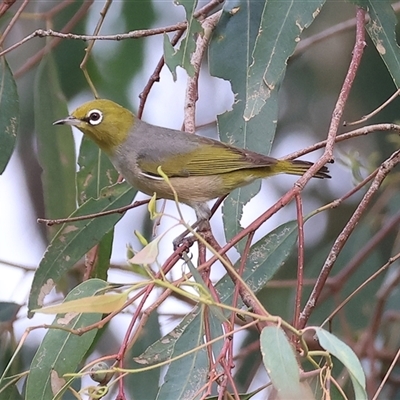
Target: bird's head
105	122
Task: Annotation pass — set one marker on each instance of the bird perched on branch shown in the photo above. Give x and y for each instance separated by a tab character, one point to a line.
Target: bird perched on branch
198	168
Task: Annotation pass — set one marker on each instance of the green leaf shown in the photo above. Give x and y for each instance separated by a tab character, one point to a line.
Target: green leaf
60	351
188	375
75	239
269	32
281	25
382	30
347	356
280	362
104	251
9	115
162	349
8	390
138	384
96	171
182	56
204	289
56	147
240	19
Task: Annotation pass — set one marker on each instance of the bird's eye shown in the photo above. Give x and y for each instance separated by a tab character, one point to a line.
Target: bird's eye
94	117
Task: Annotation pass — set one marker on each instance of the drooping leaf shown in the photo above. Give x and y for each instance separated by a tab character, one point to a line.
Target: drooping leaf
96	172
239	20
280	362
347	356
279	32
104	250
138	383
56	147
9	115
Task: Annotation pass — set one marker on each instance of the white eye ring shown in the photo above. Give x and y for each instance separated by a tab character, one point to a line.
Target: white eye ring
94	117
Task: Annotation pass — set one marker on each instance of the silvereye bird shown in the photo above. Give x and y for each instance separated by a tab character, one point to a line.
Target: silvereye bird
199	169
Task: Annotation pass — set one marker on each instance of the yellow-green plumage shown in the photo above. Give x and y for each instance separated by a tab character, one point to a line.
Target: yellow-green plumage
199	169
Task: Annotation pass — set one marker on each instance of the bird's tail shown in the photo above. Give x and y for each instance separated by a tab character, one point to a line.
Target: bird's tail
299	167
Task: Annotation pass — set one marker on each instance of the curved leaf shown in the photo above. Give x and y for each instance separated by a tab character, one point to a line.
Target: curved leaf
56	147
9	114
347	356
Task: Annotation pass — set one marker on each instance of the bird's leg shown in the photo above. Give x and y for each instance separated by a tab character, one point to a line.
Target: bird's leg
179	240
202	224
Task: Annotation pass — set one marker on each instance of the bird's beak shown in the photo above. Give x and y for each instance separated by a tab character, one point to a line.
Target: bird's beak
68	121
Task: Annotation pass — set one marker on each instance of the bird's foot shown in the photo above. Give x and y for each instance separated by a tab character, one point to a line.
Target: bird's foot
187	241
183	242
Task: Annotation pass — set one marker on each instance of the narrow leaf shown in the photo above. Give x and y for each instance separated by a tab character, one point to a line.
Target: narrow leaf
162	349
382	30
56	147
137	384
9	115
104	304
187	376
280	362
347	357
60	351
269	32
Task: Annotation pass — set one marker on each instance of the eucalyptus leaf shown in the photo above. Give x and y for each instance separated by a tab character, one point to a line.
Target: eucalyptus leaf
9	115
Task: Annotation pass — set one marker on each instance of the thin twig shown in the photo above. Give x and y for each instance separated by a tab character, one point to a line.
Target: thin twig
13	21
155	76
63	34
89	48
344	136
328	154
376	111
192	92
50	222
300	260
50	46
383	171
337	281
332	31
